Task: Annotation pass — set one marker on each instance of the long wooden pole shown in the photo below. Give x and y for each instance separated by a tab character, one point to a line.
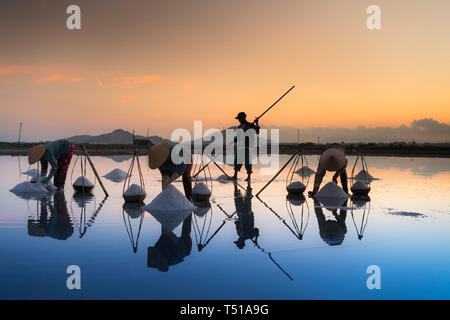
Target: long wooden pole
234	181
257	118
278	173
95	171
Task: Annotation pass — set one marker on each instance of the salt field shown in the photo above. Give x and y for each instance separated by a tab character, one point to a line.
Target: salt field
239	247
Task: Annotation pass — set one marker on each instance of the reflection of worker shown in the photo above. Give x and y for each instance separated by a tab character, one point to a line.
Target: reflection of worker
59	226
59	154
169	249
244	126
245	225
159	157
331	231
331	159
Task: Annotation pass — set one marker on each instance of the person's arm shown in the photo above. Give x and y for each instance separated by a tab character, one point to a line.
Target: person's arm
256	126
318	179
54	165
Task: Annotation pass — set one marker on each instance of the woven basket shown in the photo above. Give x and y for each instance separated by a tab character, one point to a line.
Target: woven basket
360	192
134	198
201	196
83	189
296	191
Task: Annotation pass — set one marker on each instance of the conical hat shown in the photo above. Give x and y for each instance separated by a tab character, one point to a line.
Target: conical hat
333	159
158	154
35	153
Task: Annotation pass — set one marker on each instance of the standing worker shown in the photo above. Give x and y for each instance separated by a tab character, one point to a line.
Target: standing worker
159	157
59	154
333	159
244	125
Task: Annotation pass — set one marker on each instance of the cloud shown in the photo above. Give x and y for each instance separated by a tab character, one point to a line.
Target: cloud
58	77
100	83
127	98
131	81
423	130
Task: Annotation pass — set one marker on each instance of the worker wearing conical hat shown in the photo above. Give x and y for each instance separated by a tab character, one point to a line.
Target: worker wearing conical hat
244	125
160	157
58	154
332	159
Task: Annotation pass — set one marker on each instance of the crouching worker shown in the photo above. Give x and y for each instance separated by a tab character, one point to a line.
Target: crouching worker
159	157
59	154
332	159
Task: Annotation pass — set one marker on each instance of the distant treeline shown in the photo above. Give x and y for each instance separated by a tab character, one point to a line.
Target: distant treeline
407	149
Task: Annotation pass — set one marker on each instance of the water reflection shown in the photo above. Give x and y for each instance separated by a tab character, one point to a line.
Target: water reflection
58	225
245	224
133	211
332	231
170	250
361	223
86	203
298	204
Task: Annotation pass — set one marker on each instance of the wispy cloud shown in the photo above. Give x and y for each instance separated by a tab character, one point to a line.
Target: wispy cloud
131	81
128	98
100	83
58	77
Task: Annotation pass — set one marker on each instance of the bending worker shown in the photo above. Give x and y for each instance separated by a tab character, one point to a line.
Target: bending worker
159	157
244	125
59	154
331	159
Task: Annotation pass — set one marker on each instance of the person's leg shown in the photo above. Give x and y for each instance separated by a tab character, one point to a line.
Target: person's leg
344	180
248	164
237	166
187	181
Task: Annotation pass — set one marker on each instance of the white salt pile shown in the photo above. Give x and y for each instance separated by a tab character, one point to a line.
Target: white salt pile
201	188
296	186
134	190
170	199
364	176
31	172
222	178
305	171
116	175
332	190
83	182
29	188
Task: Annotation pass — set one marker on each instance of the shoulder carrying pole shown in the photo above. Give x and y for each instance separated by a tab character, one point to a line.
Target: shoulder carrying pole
95	171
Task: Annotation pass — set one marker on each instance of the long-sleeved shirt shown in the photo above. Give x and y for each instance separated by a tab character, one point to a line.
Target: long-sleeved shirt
53	152
168	167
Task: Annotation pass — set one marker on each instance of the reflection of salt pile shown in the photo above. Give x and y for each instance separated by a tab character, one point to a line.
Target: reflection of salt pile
201	192
305	171
296	188
359	188
134	210
170	207
116	175
201	211
331	195
29	188
364	176
134	193
82	184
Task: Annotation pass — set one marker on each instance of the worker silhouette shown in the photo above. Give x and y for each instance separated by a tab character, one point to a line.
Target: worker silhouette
332	159
245	225
169	249
244	147
332	232
58	226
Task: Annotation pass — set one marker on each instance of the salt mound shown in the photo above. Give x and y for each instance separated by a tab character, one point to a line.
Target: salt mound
170	199
364	175
359	185
305	171
201	188
134	190
31	172
116	175
29	188
83	182
332	190
296	185
222	178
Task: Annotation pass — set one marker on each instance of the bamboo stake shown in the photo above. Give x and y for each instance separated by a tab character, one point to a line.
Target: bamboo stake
95	171
278	173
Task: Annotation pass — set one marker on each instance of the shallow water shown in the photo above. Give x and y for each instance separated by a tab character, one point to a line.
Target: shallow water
404	230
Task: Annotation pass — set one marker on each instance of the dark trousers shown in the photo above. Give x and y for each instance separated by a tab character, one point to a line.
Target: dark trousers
248	165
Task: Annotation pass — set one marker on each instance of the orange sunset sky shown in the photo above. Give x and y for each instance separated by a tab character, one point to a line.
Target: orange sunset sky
163	64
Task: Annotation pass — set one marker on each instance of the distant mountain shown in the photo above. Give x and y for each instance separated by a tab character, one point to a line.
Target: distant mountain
118	136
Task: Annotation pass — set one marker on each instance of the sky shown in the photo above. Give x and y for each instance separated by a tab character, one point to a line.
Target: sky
163	64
